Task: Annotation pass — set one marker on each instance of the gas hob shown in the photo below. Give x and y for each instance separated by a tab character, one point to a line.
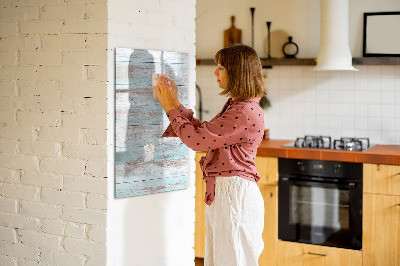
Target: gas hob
325	142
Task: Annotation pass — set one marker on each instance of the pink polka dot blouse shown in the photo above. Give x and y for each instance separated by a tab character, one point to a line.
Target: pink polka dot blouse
231	139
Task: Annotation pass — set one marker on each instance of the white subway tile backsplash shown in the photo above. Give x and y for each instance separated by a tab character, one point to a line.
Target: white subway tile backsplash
374	97
338	104
374	111
388	110
388	97
388	124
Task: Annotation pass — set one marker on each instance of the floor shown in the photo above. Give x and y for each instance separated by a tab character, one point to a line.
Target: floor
199	262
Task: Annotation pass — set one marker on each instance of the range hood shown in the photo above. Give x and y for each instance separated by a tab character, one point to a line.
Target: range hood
334	51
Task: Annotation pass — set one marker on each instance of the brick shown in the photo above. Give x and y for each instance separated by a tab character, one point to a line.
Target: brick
18	13
100	260
19	251
19	43
85	26
7	175
94	89
62	104
64	42
94	168
8	58
35	239
8	261
65	135
40	27
7	88
84	247
39	118
53	227
98	121
31	2
18	72
85	152
25	103
97	234
25	262
19	221
86	184
39	58
97	11
75	230
97	42
8	145
41	179
88	57
38	209
61	259
39	148
60	73
8	205
96	73
63	197
16	132
93	136
8	234
17	161
7	117
17	191
87	216
62	12
62	166
39	87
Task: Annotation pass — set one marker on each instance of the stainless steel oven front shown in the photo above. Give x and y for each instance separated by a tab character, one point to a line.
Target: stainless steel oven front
320	202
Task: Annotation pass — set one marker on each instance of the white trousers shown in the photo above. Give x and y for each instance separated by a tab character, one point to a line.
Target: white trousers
234	223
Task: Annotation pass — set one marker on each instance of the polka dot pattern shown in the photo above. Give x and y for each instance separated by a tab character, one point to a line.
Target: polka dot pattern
231	138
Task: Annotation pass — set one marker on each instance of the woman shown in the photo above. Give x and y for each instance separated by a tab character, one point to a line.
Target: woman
235	207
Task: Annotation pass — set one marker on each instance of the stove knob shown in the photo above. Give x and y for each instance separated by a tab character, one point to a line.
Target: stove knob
336	169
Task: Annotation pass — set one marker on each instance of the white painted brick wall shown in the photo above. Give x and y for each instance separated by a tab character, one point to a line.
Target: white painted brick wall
53	110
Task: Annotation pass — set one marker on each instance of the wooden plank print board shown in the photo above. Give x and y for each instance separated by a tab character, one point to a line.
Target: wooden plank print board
145	163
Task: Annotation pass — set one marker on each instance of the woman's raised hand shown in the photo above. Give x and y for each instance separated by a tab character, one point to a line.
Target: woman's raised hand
164	94
174	90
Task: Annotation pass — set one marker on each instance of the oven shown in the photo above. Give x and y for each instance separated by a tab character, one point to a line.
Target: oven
320	202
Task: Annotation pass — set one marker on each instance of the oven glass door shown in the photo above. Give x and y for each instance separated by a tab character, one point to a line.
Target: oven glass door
321	213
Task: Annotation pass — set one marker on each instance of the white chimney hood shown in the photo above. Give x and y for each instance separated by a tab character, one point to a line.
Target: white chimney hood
334	51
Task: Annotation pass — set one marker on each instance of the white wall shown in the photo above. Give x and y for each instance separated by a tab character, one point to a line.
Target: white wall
155	229
338	104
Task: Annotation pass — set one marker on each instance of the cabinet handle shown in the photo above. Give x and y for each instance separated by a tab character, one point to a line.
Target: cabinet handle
318	254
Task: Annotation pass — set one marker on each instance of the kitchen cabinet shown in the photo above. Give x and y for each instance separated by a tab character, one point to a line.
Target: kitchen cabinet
381	215
200	207
298	254
381	179
267	168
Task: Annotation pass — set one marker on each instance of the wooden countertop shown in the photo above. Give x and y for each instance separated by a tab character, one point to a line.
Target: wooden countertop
379	154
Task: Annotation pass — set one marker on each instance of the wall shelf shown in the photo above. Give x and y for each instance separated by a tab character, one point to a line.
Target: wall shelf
312	61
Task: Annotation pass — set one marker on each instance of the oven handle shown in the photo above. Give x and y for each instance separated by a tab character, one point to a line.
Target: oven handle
297	181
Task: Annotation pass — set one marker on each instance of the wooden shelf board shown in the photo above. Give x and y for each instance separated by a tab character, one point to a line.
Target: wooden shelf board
312	61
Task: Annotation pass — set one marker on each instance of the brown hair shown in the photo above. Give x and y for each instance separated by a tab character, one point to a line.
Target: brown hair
245	78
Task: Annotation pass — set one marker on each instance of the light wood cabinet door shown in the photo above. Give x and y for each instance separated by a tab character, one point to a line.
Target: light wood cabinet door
200	207
381	230
267	168
270	233
381	179
297	254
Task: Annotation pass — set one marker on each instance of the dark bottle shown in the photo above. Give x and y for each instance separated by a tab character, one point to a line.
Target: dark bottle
290	49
